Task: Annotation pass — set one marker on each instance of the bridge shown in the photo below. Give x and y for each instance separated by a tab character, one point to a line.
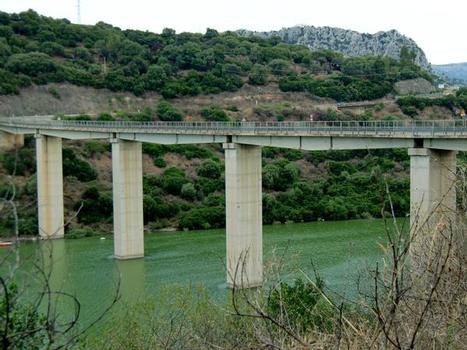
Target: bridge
432	147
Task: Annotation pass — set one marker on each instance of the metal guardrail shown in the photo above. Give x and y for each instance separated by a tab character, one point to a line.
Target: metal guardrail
441	128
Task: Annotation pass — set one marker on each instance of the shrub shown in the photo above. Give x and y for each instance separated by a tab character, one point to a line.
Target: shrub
160	162
188	191
209	169
19	163
203	218
74	166
167	112
215	114
258	75
302	305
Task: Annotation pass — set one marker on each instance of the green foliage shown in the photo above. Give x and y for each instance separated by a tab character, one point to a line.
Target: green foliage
94	206
46	50
215	114
188	191
411	105
74	166
280	175
93	148
167	112
173	180
21	162
105	117
209	169
302	305
22	326
54	92
203	218
258	75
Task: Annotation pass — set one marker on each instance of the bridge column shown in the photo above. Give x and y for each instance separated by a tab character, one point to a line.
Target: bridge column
10	141
127	178
243	205
432	193
49	186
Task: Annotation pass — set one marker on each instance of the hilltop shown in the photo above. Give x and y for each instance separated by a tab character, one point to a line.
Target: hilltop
348	42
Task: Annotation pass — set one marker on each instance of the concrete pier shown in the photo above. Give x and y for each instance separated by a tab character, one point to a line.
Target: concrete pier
10	141
432	186
127	178
49	186
243	205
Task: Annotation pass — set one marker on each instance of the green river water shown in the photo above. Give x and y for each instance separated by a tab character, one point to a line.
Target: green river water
85	267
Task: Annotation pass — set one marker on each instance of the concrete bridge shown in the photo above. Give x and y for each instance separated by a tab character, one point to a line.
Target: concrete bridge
432	146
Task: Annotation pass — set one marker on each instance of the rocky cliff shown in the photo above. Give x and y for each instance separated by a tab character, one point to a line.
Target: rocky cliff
348	42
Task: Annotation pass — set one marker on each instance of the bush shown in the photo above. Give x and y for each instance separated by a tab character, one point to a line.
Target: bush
188	191
301	304
167	112
19	163
73	166
203	218
214	114
209	169
258	75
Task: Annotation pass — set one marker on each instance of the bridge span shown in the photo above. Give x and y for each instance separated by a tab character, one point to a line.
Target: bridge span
432	146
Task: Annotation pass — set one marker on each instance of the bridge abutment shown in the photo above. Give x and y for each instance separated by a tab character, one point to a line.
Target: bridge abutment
432	192
10	141
49	186
244	224
127	179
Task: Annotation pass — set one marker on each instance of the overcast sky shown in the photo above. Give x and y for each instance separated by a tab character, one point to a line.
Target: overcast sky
438	26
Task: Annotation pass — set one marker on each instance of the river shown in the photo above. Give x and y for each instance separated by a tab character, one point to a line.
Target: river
85	267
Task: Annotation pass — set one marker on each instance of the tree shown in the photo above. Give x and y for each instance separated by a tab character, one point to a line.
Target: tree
258	75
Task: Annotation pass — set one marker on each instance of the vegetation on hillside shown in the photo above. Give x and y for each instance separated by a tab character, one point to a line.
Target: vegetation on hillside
38	49
298	186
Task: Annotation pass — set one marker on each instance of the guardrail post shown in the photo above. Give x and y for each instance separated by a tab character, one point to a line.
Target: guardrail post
127	181
243	206
49	186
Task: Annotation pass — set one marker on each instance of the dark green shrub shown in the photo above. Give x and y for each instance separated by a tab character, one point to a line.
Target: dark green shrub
258	75
160	162
214	114
167	112
21	162
209	169
74	166
188	191
203	218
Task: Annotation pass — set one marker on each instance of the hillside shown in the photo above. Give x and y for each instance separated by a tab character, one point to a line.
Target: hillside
348	42
455	73
50	66
38	50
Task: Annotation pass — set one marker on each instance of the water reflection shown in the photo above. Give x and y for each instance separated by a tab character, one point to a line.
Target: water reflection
53	263
132	281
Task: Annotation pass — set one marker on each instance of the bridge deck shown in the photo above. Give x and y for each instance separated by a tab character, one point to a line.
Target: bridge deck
389	129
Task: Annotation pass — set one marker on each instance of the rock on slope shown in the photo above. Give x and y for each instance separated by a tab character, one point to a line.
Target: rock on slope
348	42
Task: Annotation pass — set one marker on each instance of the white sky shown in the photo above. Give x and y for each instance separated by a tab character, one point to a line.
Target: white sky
438	26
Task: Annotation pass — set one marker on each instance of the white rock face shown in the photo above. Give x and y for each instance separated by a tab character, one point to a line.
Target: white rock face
348	42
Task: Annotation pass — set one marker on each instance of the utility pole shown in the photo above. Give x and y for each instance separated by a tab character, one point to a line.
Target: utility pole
78	8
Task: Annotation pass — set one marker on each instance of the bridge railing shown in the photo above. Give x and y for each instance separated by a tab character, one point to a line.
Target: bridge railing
413	127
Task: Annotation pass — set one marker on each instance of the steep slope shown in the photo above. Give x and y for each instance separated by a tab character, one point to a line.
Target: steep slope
454	73
348	42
